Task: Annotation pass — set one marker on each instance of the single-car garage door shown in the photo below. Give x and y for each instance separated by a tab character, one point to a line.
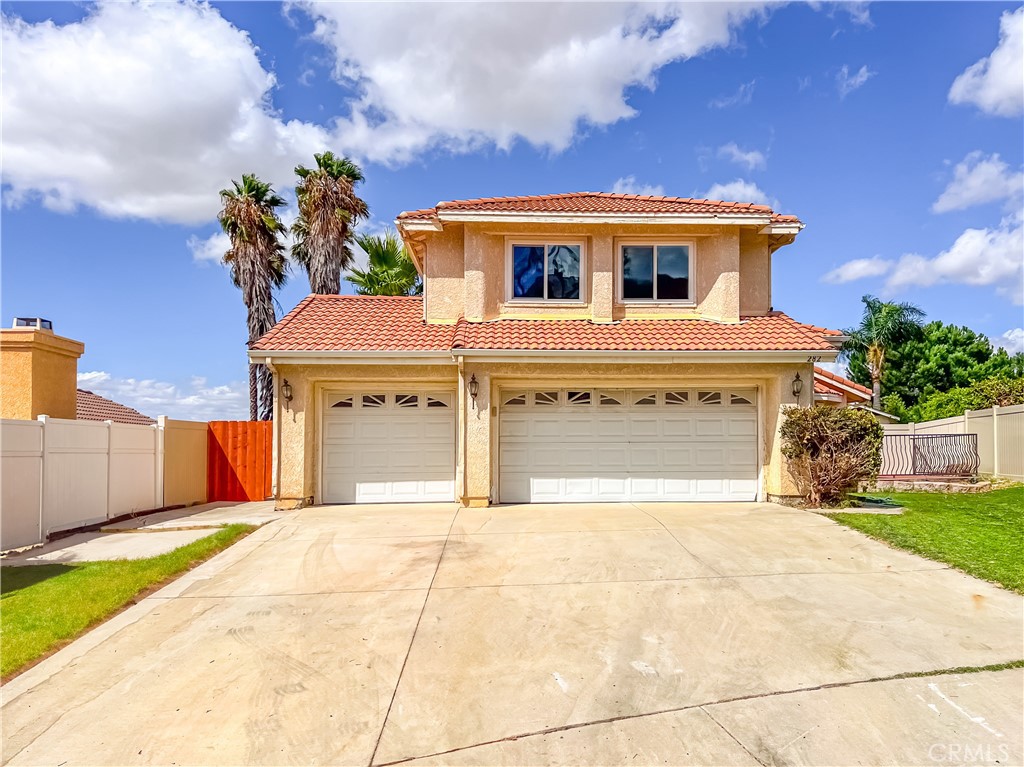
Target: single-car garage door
592	444
381	446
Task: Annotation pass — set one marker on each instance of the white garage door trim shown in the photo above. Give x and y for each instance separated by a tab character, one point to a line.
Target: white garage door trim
380	445
581	444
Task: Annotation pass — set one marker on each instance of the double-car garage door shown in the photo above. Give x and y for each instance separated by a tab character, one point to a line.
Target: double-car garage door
554	445
589	444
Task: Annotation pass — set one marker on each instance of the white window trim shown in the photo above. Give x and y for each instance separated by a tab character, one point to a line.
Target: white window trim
620	273
511	241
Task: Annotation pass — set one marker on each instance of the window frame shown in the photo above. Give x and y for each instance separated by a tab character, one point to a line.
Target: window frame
690	300
510	243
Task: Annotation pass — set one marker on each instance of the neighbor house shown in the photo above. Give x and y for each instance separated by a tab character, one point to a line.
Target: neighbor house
572	347
833	390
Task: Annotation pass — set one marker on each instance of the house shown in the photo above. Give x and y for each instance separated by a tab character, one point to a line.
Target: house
833	390
571	347
93	407
38	370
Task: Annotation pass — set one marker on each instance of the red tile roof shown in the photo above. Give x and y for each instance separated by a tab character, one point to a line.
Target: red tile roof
93	407
372	323
357	323
826	379
773	332
599	202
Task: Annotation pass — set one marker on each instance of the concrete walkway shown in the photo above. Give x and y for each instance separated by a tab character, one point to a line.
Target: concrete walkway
615	634
166	531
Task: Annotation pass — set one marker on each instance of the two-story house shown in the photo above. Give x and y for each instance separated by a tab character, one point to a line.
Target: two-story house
572	347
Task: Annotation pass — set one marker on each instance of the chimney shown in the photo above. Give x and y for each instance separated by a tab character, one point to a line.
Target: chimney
38	371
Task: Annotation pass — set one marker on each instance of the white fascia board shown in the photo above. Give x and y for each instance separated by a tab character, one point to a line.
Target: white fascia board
604	218
646	355
304	357
831	397
418	224
788	228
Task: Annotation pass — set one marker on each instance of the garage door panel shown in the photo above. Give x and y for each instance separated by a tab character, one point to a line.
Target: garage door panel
698	450
388	453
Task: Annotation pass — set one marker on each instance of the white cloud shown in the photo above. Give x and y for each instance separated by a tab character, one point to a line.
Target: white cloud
752	159
741	97
995	84
847	83
141	110
741	191
464	75
978	257
209	249
858	269
837	367
1012	340
980	179
629	185
199	401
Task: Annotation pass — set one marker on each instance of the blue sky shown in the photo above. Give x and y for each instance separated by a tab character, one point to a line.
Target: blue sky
894	130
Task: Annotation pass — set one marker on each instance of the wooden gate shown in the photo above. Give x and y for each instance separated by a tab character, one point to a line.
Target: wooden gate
238	461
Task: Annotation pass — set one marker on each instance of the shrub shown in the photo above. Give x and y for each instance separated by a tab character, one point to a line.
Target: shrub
830	449
978	396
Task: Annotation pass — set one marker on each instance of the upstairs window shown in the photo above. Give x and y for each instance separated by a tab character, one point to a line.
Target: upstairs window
656	272
546	271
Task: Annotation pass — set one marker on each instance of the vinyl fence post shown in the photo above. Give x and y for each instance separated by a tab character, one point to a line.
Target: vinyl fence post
995	440
110	462
158	493
42	476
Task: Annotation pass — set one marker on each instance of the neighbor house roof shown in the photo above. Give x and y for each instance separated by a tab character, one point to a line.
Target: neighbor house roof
826	382
597	203
93	407
393	324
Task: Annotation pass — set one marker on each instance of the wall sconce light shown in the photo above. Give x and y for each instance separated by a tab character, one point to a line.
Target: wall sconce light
798	386
286	392
474	388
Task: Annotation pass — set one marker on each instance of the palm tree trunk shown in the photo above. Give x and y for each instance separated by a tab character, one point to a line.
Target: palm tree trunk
876	391
266	394
253	393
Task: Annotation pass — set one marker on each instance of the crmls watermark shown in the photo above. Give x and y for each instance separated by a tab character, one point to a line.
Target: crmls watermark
969	753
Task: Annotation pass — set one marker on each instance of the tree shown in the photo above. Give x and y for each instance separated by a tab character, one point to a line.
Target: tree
883	326
942	357
328	210
256	259
391	271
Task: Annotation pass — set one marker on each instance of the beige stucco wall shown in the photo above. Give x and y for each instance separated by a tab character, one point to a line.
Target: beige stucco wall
476	429
38	374
465	272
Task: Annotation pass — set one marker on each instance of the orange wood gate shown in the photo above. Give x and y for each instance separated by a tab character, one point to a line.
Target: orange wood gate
238	460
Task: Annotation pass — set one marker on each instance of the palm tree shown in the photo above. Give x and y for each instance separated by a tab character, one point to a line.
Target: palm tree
883	326
257	262
391	271
328	210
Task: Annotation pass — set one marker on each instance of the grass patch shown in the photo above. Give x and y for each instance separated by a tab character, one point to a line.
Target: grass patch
43	607
981	534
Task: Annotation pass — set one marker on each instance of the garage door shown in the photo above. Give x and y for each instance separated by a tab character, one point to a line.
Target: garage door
382	446
568	445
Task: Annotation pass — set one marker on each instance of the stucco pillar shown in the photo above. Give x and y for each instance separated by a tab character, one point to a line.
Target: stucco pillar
475	454
476	275
38	374
722	302
296	448
602	277
778	482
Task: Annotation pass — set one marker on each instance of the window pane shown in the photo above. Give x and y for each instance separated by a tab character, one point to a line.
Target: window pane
673	272
564	271
528	271
638	271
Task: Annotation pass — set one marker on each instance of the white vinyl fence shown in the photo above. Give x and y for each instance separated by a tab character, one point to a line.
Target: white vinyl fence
1000	433
58	474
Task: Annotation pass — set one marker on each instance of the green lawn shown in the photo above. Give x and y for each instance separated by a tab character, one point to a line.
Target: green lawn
45	606
981	534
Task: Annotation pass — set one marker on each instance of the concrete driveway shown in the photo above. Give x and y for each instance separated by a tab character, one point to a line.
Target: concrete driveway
726	634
